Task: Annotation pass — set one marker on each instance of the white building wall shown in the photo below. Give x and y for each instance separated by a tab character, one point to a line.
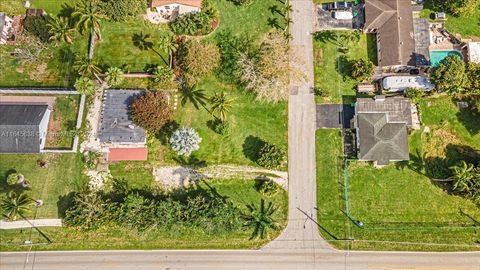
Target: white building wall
43	128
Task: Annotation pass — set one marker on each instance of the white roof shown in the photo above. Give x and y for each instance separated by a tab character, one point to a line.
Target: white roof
343	15
400	83
474	52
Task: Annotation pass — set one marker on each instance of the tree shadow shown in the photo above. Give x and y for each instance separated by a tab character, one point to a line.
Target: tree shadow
66	11
191	161
344	67
372	48
67	60
251	146
326	37
4	186
470	119
64	203
166	131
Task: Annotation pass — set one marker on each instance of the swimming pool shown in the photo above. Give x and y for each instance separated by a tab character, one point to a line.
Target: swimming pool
437	56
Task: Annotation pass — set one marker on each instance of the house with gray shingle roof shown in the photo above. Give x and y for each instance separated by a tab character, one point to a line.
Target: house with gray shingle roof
117	126
382	129
23	128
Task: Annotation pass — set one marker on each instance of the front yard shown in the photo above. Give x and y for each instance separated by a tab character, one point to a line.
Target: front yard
401	208
181	238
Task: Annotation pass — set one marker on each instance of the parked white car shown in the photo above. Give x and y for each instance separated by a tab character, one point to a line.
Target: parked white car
342	15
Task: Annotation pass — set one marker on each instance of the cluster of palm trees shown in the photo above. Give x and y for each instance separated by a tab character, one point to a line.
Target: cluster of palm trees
86	18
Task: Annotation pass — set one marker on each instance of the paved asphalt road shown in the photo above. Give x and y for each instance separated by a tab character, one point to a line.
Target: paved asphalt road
299	247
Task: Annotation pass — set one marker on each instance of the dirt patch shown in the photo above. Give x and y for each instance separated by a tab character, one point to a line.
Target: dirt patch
54	128
39	73
438	140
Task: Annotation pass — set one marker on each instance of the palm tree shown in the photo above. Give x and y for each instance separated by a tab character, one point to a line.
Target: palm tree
87	67
16	205
114	76
221	105
60	30
261	219
89	19
85	86
168	44
193	95
463	175
163	74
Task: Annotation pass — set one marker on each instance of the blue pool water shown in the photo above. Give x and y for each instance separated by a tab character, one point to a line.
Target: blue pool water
437	56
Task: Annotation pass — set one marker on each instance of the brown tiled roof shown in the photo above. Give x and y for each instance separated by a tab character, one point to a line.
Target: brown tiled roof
192	3
393	22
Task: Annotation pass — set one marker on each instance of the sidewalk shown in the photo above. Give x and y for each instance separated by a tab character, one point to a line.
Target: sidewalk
20	224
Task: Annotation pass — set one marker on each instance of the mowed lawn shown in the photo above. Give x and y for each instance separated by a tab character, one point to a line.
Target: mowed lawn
53	184
119	238
399	204
333	68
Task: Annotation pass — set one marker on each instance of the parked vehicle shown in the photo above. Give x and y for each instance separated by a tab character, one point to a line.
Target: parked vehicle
342	15
337	6
394	84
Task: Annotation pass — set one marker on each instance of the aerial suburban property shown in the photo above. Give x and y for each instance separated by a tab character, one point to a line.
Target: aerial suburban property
240	134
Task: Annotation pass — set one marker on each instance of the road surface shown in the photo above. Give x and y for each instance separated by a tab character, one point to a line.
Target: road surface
241	260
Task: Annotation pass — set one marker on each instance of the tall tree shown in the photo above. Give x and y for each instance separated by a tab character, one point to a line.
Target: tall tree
260	219
450	75
221	105
197	58
89	18
152	111
87	68
168	44
60	30
362	70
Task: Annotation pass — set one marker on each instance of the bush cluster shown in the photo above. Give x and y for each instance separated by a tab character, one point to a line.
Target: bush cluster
37	25
270	156
267	187
131	210
121	10
198	23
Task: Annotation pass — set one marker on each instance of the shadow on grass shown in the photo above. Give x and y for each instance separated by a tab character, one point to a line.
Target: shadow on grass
470	119
372	48
251	146
65	202
344	67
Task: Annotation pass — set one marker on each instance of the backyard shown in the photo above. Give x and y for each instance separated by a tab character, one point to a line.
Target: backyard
333	68
400	207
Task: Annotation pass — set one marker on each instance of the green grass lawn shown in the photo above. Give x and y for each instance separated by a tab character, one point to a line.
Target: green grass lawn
466	26
332	68
119	238
395	204
12	7
52	185
63	122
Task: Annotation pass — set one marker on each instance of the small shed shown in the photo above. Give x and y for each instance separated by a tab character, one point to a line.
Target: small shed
366	88
440	16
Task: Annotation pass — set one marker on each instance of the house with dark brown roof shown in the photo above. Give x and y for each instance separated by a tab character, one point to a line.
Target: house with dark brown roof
382	129
392	22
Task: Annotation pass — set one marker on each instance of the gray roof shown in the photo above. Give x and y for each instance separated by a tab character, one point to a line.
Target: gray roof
393	22
380	140
382	129
19	128
116	122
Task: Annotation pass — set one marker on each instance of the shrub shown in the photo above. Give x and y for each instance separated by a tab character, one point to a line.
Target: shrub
450	76
12	179
37	25
270	156
121	10
362	70
414	94
85	86
197	58
267	187
114	76
198	23
220	127
151	111
185	140
242	2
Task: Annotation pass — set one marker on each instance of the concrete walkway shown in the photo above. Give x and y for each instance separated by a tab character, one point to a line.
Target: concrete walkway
20	224
301	232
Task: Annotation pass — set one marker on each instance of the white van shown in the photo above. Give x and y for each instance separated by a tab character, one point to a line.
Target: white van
342	15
